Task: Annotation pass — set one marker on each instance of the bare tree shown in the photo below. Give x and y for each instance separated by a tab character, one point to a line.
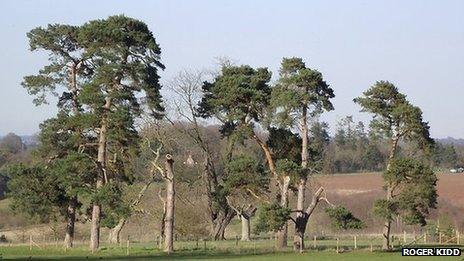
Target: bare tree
186	87
169	199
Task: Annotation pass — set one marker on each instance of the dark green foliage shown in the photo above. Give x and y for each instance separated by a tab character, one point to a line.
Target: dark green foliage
35	192
385	209
116	59
271	217
320	139
125	61
73	173
237	95
44	191
342	218
62	44
414	191
110	197
243	174
291	169
298	87
394	114
285	144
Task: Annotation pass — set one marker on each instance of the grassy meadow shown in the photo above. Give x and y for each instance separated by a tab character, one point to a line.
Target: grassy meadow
201	250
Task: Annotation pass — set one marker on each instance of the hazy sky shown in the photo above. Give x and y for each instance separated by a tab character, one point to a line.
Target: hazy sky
418	45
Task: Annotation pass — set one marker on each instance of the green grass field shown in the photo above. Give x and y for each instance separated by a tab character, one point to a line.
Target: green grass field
226	250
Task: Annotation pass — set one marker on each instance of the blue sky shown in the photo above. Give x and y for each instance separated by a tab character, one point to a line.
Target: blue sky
417	45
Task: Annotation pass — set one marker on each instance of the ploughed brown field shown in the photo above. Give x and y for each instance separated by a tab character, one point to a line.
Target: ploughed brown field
450	186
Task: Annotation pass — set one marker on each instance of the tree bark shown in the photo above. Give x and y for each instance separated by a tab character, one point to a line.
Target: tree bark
245	227
163	218
245	215
300	228
115	233
301	219
71	219
101	162
71	211
223	220
281	235
267	154
170	197
95	224
387	225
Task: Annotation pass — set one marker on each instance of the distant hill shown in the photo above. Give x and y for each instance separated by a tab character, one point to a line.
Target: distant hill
451	140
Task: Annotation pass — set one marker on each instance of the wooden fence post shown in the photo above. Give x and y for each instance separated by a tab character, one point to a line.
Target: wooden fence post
236	240
355	243
337	244
30	242
458	241
404	236
439	237
204	244
314	242
128	245
372	248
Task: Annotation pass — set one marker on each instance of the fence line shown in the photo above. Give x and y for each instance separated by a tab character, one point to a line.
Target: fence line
339	243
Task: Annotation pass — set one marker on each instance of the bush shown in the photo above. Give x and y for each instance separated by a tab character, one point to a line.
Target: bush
3	239
342	218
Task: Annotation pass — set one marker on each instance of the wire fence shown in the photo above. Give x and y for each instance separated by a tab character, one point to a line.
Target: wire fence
337	243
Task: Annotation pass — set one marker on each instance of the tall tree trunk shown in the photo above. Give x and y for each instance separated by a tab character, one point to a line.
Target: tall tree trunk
115	233
71	211
302	221
101	161
281	235
301	217
170	197
300	228
245	217
298	238
163	218
71	219
224	218
245	227
387	225
95	224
